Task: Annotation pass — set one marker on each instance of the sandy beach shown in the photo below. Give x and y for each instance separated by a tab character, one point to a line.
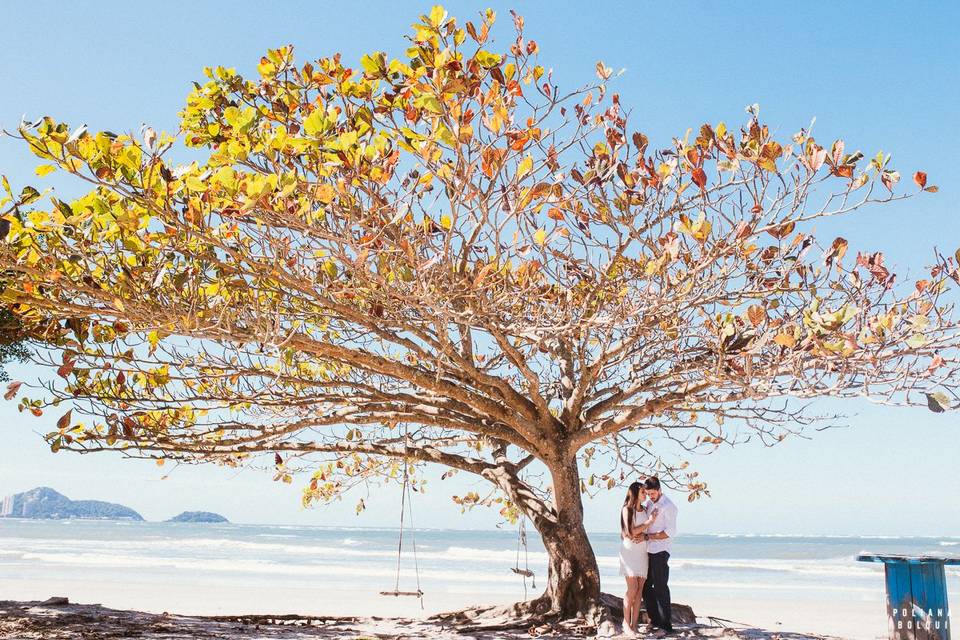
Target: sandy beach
56	619
781	584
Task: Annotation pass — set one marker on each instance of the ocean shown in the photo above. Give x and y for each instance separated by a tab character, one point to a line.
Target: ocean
793	583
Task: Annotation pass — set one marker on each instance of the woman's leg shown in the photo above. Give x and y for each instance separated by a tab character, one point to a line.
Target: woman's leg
629	598
638	593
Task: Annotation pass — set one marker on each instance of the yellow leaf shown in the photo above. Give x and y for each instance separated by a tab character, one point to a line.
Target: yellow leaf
118	303
45	169
315	123
540	236
154	339
438	15
486	59
196	184
526	165
445	221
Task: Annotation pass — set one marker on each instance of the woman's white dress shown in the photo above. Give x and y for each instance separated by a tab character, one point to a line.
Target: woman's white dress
633	555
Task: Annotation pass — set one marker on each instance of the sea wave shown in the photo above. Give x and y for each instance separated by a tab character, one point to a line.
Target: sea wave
385	574
234	566
810	536
351	552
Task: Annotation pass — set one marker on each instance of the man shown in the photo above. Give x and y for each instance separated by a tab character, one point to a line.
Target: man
660	535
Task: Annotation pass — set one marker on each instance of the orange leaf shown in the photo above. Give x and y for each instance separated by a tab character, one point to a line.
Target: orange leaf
756	314
783	230
785	340
920	178
699	178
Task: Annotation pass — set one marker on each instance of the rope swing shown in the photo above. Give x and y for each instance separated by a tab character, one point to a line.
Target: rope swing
525	572
406	505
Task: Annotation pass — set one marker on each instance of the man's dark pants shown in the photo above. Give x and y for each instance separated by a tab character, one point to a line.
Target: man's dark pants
656	593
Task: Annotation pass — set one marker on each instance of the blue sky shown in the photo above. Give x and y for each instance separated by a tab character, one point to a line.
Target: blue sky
883	75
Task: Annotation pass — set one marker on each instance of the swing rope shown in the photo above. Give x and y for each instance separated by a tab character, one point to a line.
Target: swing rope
406	505
413	544
525	572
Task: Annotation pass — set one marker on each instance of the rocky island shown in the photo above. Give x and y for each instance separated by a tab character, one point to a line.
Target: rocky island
199	516
45	503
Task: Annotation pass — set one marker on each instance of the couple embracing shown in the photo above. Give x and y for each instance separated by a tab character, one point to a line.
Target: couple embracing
648	524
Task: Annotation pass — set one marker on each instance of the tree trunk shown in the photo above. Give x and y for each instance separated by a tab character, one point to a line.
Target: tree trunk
573	579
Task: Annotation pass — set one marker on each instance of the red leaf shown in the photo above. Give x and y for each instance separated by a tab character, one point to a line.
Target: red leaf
837	250
874	264
920	178
12	390
844	171
743	230
699	178
64	420
66	369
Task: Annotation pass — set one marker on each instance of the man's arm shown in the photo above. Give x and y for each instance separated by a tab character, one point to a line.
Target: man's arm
669	525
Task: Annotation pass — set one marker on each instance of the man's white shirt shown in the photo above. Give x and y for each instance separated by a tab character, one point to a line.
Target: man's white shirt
665	521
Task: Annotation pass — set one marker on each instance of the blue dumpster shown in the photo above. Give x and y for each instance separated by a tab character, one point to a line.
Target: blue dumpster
917	607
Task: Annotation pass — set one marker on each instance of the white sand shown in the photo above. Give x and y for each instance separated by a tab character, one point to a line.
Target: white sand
857	619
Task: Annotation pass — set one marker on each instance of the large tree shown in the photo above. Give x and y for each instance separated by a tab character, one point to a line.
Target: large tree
446	258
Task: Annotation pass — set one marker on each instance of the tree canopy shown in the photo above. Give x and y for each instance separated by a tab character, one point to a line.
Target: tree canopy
12	347
445	257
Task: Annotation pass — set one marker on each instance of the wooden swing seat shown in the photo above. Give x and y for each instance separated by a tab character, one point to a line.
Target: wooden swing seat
522	572
416	594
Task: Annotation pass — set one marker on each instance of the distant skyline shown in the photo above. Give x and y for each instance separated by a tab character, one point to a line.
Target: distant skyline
883	76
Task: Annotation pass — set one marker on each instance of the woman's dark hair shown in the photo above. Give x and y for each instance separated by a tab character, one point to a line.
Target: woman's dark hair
652	483
633	492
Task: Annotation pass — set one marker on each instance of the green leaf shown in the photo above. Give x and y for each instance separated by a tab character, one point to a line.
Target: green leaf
28	195
486	59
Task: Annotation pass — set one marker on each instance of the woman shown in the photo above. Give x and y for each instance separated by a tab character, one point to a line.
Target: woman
634	521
